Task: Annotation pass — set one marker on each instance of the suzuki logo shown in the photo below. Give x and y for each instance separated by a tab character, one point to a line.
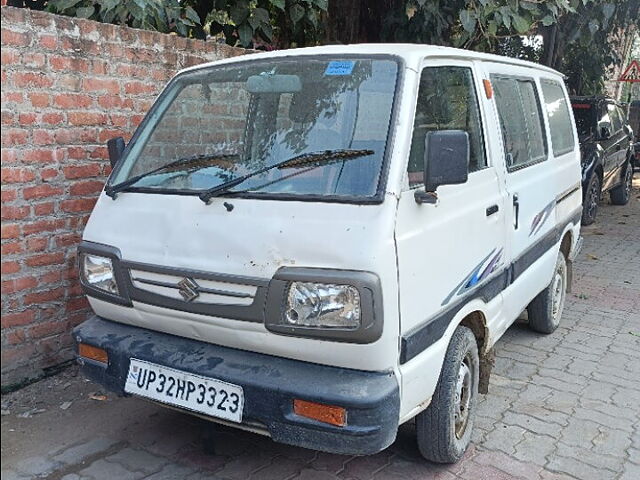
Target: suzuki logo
188	288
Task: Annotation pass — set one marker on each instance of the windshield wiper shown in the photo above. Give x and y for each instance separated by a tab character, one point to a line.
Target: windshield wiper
194	161
302	160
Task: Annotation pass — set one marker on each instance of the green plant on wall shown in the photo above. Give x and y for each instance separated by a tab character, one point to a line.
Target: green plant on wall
160	15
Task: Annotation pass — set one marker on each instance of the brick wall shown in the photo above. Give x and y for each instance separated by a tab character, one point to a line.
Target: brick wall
68	85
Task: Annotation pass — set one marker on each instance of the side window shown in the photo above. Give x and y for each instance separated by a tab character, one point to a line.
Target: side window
614	114
447	100
558	117
520	121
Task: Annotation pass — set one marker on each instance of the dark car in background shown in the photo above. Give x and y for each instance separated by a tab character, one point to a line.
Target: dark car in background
607	152
634	122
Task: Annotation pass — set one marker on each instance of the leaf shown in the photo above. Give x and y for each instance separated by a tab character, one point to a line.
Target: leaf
608	10
521	24
261	14
239	14
324	4
467	20
492	28
279	4
548	20
191	14
594	26
296	13
245	32
85	12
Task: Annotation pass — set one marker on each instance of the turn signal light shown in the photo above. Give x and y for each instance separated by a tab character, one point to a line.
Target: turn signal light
488	89
322	413
93	353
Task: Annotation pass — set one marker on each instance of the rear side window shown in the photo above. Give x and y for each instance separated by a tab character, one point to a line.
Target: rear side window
558	117
614	115
520	121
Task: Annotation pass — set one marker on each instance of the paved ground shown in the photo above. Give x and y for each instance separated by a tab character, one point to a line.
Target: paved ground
559	407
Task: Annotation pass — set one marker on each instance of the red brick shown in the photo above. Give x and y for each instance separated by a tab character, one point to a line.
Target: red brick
91	84
90	187
43	137
32	79
10	37
48	173
41	191
38	156
80	205
59	62
9	195
39	100
37	244
16	337
9	155
49	42
42	297
18	284
51	277
33	60
82	171
14	136
68	239
86	118
10	56
72	100
43	226
47	329
137	88
17	319
76	304
10	212
27	118
10	248
10	267
45	259
17	175
52	118
42	209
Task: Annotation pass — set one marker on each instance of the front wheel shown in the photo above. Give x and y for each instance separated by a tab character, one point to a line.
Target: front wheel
622	193
591	200
444	428
545	310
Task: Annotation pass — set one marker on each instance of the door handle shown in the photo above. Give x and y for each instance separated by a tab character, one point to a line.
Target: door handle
516	210
491	210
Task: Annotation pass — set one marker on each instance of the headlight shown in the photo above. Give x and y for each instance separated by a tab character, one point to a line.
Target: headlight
323	305
97	272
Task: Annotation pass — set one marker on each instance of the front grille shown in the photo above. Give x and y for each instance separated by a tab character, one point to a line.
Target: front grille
220	295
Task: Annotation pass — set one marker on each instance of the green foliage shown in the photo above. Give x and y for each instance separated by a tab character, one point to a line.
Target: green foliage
259	23
161	15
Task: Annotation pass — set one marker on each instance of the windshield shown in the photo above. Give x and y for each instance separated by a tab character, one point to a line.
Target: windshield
219	123
585	118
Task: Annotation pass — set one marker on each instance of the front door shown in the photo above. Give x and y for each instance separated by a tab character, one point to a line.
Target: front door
447	252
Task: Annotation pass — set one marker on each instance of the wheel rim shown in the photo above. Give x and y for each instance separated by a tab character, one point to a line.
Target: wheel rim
558	289
593	197
463	397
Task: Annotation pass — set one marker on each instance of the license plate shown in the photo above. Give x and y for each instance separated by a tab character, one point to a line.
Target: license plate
193	392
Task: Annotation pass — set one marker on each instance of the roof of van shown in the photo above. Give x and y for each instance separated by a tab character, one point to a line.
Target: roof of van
411	52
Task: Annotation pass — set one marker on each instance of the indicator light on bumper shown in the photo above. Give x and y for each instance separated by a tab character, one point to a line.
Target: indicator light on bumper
322	413
93	353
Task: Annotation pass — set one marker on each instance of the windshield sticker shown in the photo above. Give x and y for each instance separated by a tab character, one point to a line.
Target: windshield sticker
340	67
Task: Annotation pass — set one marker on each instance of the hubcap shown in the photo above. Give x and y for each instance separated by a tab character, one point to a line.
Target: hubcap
557	303
628	181
463	398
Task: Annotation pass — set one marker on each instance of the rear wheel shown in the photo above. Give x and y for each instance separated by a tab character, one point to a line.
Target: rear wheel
591	200
444	428
622	193
545	310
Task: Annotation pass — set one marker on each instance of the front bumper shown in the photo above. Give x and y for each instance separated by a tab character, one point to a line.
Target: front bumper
270	384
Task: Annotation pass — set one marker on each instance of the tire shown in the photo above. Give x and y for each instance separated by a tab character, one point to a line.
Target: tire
591	199
545	310
622	193
443	436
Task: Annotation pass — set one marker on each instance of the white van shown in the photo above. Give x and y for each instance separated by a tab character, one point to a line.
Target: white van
322	244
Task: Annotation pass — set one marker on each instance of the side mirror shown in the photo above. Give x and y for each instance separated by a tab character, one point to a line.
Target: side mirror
446	162
605	132
115	146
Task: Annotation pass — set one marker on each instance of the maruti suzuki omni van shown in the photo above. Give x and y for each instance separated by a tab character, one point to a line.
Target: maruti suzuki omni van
322	244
